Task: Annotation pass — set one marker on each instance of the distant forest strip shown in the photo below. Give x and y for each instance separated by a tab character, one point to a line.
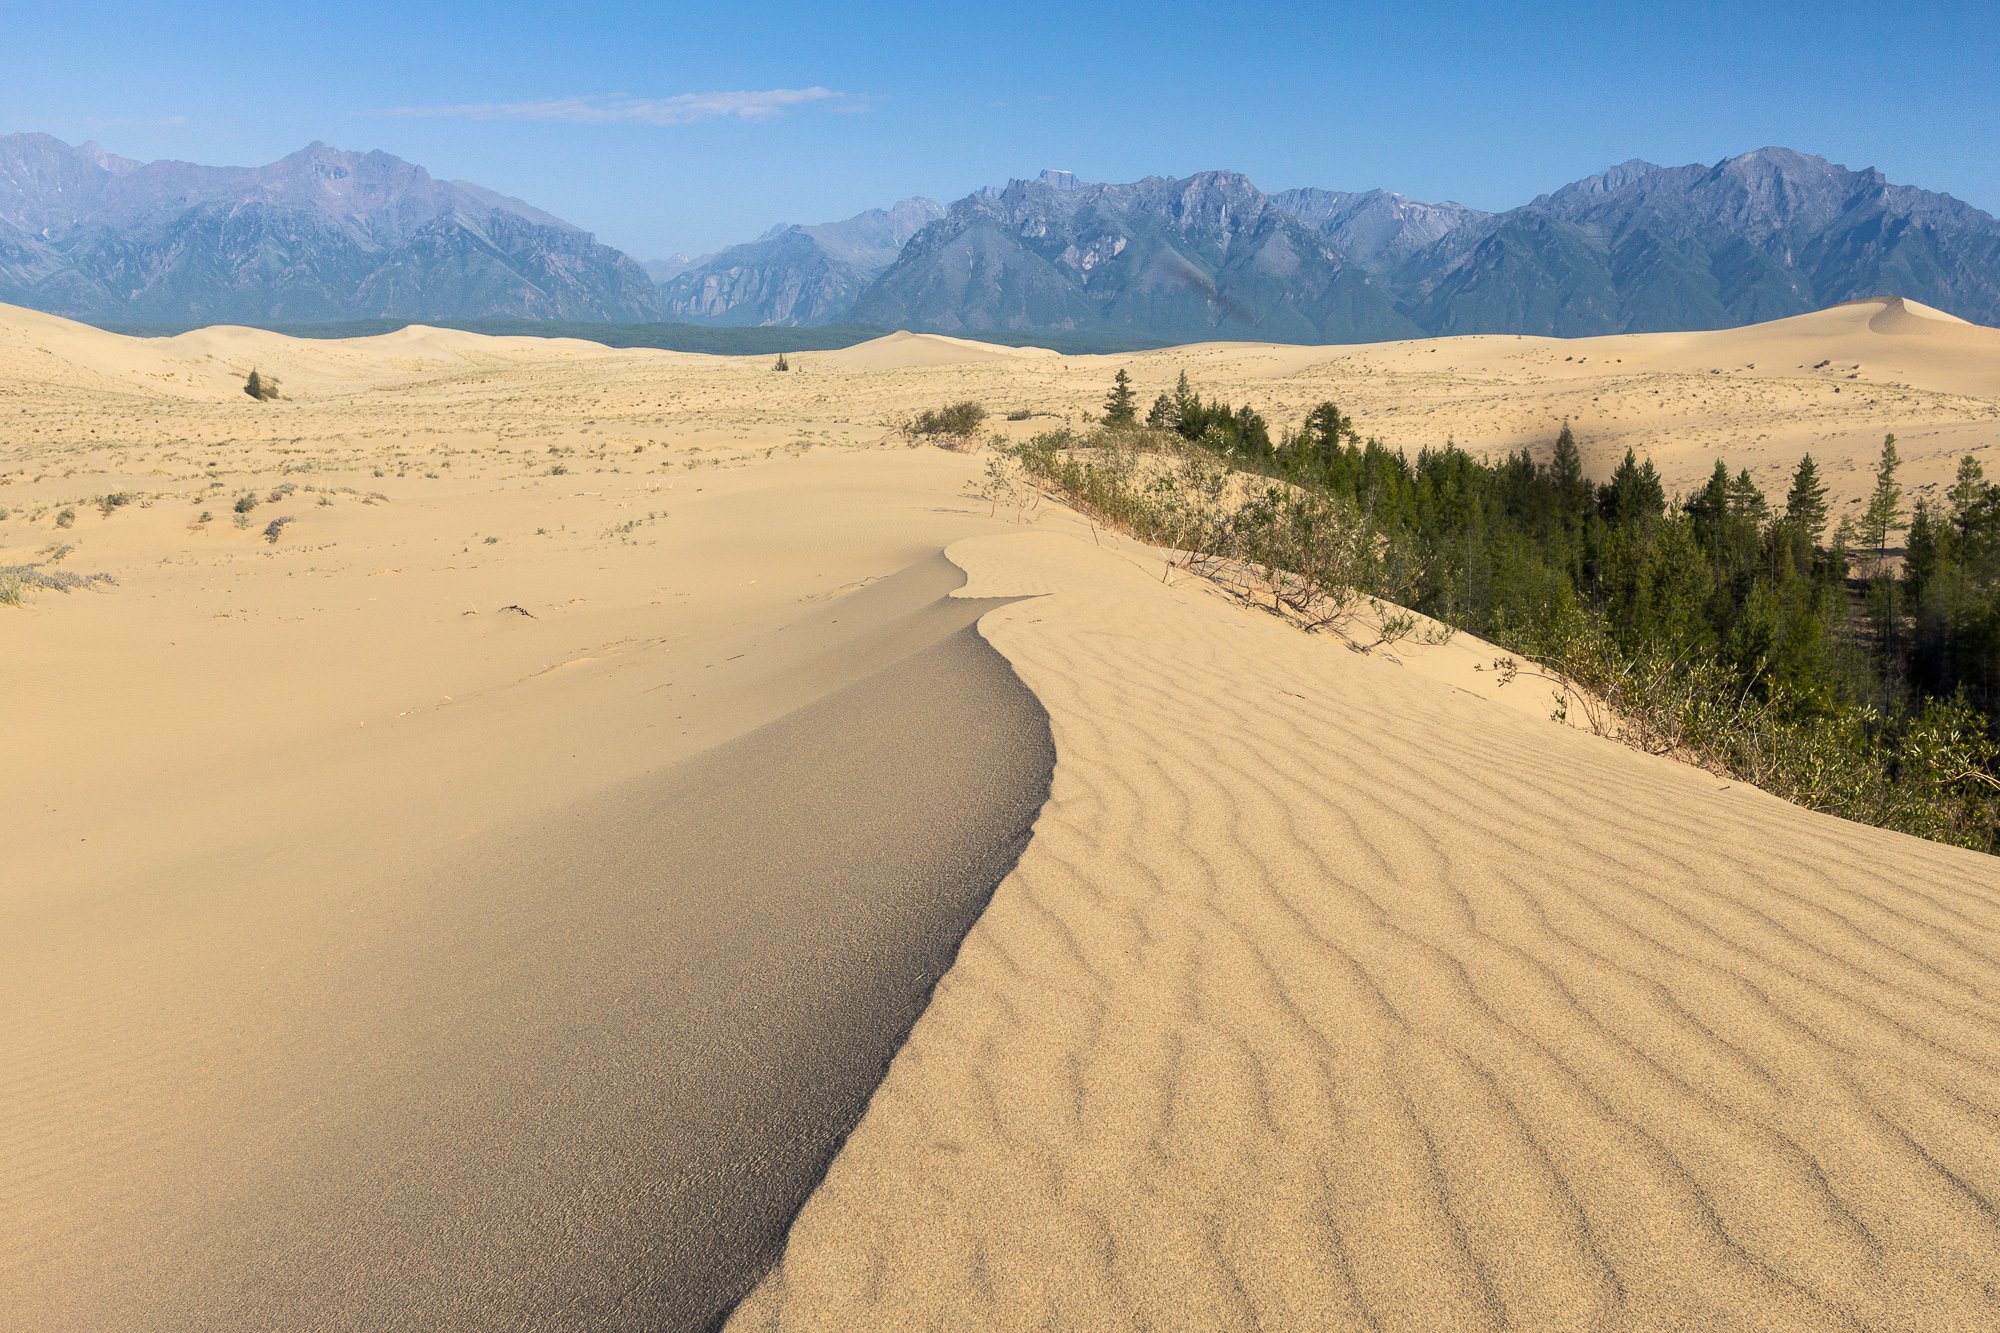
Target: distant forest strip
761	340
1838	669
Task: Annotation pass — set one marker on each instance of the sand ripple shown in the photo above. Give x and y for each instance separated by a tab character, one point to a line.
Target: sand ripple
1326	996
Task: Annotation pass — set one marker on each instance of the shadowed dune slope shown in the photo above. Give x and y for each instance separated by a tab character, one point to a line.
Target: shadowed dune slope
579	1076
1327	996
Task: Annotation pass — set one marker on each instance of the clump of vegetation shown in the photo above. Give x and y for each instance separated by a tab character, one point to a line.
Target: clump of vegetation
261	387
115	500
957	421
17	581
1020	414
246	502
1715	626
783	363
66	517
275	527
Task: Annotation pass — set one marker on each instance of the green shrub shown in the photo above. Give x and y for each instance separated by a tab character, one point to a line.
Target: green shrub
958	419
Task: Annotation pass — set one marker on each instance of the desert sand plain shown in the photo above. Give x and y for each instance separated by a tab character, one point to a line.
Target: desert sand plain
553	882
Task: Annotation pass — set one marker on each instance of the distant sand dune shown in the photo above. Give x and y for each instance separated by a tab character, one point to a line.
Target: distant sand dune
908	351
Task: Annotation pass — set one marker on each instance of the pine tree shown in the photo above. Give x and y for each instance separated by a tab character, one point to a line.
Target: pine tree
1805	506
1746	502
783	364
1163	415
1566	471
1967	490
1709	507
1885	507
1184	399
254	386
1121	404
1634	495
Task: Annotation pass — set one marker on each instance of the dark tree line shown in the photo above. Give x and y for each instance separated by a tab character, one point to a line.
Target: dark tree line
1808	660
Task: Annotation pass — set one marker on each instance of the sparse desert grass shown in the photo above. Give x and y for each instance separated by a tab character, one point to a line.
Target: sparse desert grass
17	581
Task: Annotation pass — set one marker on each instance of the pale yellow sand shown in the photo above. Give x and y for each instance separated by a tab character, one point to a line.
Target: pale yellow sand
1326	997
1327	993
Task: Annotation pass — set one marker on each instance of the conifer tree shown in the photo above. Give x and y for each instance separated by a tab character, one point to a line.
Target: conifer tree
1163	415
1635	494
1121	404
1805	505
1967	490
1746	501
254	386
1885	507
1566	470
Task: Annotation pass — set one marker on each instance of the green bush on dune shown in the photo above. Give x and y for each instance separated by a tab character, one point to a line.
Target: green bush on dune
959	419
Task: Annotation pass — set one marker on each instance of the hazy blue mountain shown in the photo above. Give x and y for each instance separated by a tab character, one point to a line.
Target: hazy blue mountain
796	274
1636	248
1375	228
1755	237
329	235
321	234
666	270
1209	256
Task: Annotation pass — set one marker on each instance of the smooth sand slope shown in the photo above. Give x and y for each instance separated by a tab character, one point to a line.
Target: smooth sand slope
582	1069
490	903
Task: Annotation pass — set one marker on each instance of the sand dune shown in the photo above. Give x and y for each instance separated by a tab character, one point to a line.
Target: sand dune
909	351
584	1064
1326	997
386	888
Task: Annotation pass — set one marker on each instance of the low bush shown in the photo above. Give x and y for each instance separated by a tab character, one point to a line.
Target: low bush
959	420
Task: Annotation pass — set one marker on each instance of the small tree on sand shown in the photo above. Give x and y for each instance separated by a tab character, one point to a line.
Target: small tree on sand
1121	405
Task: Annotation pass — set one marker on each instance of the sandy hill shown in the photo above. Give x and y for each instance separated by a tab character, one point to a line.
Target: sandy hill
501	885
912	351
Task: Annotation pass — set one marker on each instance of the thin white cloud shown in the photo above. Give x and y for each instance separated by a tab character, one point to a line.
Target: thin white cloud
680	109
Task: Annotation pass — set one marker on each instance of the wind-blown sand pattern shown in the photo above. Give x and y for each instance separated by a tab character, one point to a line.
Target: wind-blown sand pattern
367	890
1329	997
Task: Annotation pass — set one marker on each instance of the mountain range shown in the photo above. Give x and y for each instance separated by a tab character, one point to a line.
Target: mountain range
327	235
323	234
1638	248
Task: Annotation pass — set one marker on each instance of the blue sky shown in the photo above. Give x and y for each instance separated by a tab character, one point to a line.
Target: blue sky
669	127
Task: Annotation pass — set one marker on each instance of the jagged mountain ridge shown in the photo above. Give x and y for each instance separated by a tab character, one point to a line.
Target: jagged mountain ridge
1638	248
796	274
1206	257
1760	236
320	234
326	234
